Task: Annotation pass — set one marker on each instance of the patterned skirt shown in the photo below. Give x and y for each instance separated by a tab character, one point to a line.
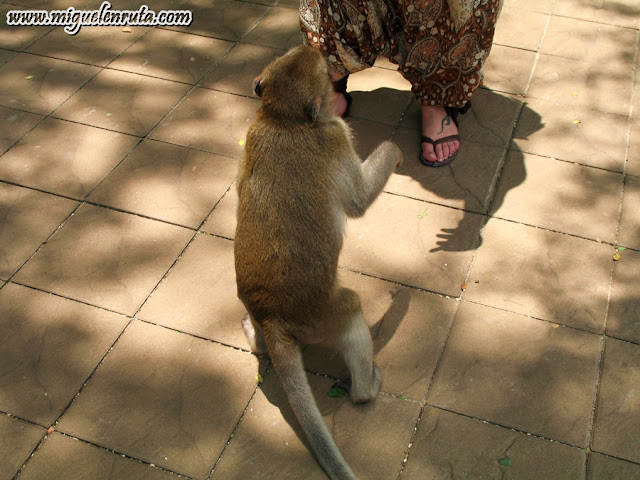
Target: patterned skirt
438	49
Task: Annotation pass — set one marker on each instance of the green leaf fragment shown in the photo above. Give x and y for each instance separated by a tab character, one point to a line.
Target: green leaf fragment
108	114
337	392
259	378
621	249
505	462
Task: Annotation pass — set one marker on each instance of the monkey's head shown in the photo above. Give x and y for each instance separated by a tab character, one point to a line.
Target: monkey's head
296	86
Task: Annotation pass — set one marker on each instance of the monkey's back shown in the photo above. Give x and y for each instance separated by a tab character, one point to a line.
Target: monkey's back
290	219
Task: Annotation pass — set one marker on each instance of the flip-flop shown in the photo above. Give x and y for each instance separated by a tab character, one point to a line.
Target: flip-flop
453	113
340	86
436	164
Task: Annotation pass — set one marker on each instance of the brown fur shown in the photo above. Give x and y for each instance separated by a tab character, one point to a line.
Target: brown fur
298	177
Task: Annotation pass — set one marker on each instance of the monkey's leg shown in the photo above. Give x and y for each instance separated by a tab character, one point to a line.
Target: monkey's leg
357	350
254	335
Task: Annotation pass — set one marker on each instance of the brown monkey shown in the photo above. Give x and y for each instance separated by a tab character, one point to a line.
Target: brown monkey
298	177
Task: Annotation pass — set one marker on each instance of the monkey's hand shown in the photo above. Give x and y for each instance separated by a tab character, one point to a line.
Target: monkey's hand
392	152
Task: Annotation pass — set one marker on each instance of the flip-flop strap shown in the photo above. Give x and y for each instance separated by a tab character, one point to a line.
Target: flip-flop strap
453	112
440	140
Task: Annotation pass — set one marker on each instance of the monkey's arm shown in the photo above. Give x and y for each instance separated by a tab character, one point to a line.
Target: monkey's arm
368	178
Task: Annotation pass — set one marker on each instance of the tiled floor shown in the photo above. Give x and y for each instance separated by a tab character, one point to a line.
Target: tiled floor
508	336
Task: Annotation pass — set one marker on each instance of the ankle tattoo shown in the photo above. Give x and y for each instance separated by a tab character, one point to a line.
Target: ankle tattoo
445	121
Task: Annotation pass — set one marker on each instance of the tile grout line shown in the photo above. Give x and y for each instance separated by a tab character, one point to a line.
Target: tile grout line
595	400
237	425
495	184
64	410
87	442
424	403
195	234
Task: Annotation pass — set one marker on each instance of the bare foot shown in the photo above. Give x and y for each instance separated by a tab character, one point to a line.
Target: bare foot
437	124
339	105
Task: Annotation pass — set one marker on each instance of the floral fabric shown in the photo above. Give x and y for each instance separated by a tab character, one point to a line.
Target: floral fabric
441	53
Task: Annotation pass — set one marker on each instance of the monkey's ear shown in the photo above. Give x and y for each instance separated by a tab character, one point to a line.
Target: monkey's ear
257	86
314	108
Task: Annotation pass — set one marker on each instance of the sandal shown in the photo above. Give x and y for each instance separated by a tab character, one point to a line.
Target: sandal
453	113
340	86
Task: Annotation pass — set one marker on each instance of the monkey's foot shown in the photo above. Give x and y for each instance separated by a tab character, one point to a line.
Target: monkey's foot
366	392
440	141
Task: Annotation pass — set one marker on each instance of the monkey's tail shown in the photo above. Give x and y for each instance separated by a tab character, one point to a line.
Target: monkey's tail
286	356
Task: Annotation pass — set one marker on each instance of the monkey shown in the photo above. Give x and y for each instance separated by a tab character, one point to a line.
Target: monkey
299	177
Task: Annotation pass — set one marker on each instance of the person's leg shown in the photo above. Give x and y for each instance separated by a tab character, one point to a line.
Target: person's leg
446	49
349	35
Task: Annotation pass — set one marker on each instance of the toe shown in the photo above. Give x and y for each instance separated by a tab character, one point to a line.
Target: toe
428	152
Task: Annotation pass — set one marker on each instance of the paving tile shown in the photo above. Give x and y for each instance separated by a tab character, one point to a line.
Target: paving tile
633	165
28	218
172	55
508	69
64	157
384	62
588	41
467	183
94	45
624	309
543	274
19	37
602	467
379	94
617	421
136	4
209	120
65	457
543	6
288	4
222	220
573	133
268	441
106	258
6	55
490	120
51	4
602	87
50	346
39	84
408	327
279	28
570	198
166	398
368	134
519	372
616	12
447	443
236	71
141	102
509	31
223	19
14	124
168	182
199	295
17	441
630	220
432	245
